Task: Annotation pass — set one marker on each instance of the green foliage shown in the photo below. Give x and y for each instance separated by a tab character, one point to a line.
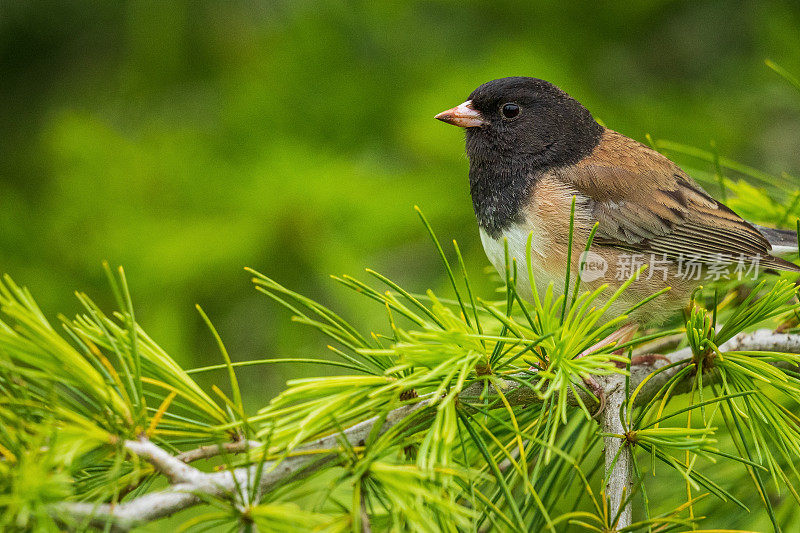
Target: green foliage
501	436
172	140
34	473
750	392
186	139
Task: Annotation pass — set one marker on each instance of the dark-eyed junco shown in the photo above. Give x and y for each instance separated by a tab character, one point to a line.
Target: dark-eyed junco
532	148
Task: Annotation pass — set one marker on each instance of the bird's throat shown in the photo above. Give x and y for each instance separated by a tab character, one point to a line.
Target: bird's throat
498	194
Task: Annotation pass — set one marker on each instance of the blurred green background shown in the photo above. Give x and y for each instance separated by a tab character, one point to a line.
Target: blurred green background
186	140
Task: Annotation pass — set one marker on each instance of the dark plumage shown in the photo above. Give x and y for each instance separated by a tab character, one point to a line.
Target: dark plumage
507	154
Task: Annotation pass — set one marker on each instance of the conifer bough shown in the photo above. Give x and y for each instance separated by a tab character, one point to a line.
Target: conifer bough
467	414
189	486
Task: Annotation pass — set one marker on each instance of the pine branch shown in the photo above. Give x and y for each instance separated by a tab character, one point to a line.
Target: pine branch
618	459
228	484
190	486
175	470
213	450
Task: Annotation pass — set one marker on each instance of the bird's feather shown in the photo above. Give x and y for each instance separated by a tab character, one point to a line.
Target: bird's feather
657	208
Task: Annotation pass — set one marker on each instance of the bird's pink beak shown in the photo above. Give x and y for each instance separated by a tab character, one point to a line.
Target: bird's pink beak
463	116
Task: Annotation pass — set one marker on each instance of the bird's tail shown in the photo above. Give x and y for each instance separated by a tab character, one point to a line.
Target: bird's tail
783	242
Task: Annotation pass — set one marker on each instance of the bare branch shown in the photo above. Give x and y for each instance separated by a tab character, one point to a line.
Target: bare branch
160	504
619	463
175	470
213	450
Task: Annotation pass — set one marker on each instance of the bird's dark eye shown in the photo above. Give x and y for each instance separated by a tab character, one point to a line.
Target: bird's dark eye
510	110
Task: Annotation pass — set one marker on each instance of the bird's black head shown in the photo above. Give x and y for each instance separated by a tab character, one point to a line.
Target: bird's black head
533	119
516	129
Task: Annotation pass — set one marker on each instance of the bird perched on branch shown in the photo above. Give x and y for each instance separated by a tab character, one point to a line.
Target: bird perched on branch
532	148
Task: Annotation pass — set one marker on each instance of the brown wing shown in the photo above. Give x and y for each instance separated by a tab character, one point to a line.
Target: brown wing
657	208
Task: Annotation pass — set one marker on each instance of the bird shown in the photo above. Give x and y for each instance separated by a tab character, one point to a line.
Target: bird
534	150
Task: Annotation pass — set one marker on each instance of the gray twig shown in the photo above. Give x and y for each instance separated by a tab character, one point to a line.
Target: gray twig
175	470
213	450
619	462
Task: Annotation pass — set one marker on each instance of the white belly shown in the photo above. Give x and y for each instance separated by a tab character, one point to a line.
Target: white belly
517	236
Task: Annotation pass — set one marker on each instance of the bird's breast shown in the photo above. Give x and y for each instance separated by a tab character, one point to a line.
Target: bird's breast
545	217
544	266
